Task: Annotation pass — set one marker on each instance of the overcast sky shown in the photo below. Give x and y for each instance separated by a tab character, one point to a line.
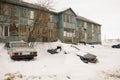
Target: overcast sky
104	12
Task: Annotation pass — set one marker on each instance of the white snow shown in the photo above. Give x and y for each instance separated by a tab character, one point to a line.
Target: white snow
62	66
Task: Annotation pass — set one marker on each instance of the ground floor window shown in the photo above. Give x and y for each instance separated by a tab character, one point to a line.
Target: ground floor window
69	33
6	32
89	36
0	30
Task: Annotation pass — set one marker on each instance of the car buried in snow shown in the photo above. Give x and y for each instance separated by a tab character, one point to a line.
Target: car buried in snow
116	46
20	50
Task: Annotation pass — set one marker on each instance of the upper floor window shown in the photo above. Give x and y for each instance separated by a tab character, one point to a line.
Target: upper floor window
99	29
5	9
95	28
51	18
89	25
82	24
69	18
24	12
14	11
31	14
1	30
0	8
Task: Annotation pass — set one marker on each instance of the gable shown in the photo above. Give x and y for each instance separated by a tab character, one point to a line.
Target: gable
70	12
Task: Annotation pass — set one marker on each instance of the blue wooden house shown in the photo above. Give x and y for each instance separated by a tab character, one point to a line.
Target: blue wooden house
76	29
18	17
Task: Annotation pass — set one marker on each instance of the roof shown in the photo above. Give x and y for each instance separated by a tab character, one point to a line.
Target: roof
78	17
22	3
87	20
67	10
36	6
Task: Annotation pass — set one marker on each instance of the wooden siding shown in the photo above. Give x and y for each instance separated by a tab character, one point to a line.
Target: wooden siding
46	26
20	22
88	32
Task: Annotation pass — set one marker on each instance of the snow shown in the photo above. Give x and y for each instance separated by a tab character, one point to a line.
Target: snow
62	66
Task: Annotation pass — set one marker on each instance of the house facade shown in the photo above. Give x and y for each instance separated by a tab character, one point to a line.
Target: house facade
27	20
33	22
88	31
77	29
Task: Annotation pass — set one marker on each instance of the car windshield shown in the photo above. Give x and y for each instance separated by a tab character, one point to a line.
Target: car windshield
19	45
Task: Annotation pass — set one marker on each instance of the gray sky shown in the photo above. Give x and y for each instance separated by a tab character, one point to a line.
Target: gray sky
104	12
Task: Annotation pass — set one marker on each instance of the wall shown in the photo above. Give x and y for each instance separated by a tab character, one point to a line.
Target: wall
45	26
69	26
26	21
88	32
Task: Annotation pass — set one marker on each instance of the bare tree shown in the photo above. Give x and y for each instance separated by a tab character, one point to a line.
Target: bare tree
40	29
46	3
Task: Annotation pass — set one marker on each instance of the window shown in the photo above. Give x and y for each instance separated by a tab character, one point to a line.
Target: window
65	33
69	18
24	12
50	34
6	9
69	32
6	31
30	22
72	19
51	18
85	25
23	21
65	18
89	36
98	29
0	8
14	11
51	25
31	14
1	18
92	28
0	30
95	28
82	24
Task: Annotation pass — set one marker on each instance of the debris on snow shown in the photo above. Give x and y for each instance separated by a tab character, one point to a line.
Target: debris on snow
75	47
88	58
55	51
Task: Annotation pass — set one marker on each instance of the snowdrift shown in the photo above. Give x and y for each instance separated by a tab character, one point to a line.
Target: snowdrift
62	66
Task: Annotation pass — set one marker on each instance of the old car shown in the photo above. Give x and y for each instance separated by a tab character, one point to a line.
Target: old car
116	46
20	50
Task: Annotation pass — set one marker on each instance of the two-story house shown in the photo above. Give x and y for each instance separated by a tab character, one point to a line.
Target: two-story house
35	23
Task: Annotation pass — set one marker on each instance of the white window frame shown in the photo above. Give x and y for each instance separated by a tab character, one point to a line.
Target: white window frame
51	18
32	13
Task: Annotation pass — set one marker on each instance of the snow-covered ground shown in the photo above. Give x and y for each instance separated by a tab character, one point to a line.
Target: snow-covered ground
62	66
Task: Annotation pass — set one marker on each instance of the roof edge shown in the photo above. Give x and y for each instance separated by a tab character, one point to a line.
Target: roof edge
87	20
